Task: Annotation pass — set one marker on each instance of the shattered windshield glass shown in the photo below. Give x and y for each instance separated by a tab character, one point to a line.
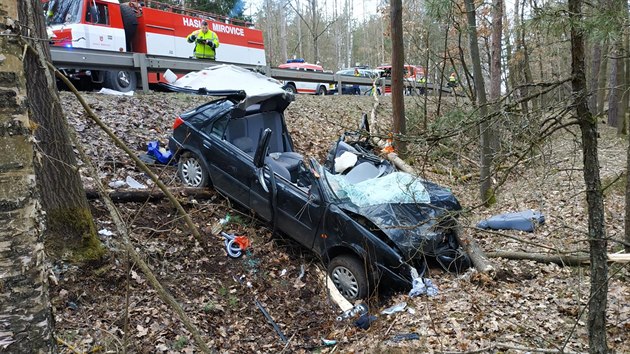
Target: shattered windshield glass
396	187
63	11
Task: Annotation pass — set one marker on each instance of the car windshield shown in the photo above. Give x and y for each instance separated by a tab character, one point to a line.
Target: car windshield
395	187
63	11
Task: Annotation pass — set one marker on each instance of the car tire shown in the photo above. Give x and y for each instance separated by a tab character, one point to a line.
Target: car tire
120	80
191	170
321	91
290	88
349	276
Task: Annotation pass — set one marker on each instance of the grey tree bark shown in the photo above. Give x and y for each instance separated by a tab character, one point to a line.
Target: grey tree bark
25	316
601	83
596	61
594	196
485	184
398	57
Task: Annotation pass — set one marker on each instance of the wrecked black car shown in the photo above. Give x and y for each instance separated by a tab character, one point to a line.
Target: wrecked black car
369	223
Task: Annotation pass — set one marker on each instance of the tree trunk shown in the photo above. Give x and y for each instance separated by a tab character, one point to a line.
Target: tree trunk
485	185
495	69
71	232
283	33
601	84
25	315
398	56
613	90
594	196
595	66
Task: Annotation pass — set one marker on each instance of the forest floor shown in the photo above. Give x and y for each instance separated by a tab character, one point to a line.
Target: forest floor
526	307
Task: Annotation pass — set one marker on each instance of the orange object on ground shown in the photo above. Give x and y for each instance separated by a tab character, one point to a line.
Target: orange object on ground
242	241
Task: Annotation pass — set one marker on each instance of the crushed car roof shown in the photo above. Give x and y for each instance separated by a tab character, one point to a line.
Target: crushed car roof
228	80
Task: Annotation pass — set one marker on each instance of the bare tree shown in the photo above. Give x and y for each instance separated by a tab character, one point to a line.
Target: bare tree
70	232
594	196
25	316
398	57
485	185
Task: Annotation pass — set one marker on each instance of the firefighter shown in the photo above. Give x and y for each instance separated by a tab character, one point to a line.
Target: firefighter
206	42
356	90
452	81
421	81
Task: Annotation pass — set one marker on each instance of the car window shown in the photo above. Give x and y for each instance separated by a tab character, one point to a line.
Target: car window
217	128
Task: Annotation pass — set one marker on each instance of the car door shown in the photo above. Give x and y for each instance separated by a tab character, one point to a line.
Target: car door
295	210
231	170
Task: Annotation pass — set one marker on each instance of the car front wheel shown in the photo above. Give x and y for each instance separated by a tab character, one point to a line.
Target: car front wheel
349	277
191	171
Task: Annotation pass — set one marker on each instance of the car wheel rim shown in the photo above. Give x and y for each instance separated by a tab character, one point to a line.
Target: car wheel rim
123	79
345	282
192	173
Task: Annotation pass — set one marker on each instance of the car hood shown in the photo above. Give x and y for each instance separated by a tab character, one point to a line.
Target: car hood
230	80
423	223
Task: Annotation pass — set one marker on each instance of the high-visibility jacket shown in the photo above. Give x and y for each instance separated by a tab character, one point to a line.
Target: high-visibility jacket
204	50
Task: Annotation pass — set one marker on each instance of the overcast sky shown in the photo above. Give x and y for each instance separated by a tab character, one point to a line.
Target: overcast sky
252	6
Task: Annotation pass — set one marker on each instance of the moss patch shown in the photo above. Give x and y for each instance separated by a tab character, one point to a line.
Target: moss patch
71	235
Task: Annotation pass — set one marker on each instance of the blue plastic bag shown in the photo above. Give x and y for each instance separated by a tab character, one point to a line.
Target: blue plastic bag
153	149
525	220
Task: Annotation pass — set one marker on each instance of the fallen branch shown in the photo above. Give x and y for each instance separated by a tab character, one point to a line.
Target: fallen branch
570	261
144	195
476	254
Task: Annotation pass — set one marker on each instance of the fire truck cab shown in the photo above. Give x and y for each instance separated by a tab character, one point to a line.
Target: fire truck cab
152	28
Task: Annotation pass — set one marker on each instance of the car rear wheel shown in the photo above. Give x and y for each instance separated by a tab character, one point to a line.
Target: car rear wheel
321	91
191	171
349	277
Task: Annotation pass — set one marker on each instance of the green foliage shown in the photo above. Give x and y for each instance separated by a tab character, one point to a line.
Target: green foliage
180	343
223	291
209	306
233	302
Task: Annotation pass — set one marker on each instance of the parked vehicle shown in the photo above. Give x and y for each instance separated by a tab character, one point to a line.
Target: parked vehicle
313	88
374	227
350	89
143	27
411	74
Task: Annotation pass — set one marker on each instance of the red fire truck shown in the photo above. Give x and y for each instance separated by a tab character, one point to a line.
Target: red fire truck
143	27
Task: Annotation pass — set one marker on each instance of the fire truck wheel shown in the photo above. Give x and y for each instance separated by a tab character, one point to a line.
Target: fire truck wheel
120	80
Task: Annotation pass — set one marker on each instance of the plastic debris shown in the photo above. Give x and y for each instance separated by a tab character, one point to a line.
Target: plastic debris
159	153
359	309
235	245
107	91
526	220
365	321
105	232
405	336
117	184
421	286
329	342
132	183
394	309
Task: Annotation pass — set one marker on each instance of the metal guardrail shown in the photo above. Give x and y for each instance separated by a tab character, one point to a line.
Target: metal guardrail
88	59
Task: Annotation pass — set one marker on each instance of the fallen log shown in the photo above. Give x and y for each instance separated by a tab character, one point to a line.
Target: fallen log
472	249
562	260
151	195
